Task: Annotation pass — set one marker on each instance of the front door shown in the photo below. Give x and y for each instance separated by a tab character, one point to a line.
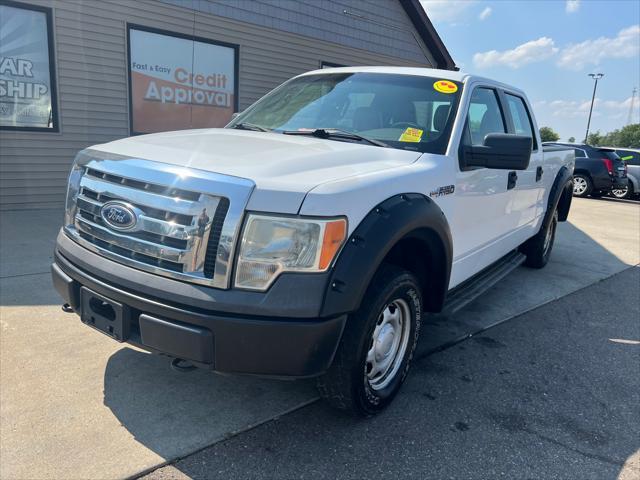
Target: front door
482	220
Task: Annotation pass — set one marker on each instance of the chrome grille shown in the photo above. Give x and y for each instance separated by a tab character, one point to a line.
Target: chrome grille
171	236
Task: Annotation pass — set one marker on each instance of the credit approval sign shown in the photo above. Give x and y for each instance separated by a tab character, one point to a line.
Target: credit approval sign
178	82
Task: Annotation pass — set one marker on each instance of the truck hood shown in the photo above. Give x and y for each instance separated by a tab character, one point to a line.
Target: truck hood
283	167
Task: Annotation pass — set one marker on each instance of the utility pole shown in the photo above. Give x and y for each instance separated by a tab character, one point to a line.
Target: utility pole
633	101
596	77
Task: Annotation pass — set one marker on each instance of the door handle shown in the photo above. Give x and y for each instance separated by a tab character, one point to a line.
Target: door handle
513	179
539	173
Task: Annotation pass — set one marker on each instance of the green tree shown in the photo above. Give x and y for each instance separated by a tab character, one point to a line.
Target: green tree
572	140
595	139
548	135
626	137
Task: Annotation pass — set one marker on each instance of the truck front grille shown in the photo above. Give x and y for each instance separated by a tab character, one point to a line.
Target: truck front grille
178	228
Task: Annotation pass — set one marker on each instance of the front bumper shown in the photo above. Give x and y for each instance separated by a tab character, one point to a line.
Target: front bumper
183	324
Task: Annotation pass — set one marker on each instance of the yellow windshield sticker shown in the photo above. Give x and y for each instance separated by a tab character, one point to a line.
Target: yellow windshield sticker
445	86
411	135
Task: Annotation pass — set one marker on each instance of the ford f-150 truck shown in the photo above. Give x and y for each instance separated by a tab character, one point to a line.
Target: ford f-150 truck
311	236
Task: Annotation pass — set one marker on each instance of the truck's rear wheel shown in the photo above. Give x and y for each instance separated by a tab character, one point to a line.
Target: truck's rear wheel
377	345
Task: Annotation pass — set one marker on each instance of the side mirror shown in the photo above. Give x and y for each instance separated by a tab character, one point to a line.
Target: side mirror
499	150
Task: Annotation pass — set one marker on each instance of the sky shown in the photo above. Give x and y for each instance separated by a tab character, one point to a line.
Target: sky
547	48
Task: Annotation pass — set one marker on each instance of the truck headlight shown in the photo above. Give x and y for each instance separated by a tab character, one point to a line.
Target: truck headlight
73	186
271	245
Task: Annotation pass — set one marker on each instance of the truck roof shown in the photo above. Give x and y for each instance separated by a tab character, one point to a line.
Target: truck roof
455	76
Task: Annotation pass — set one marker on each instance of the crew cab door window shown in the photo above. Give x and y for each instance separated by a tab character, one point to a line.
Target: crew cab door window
521	118
484	115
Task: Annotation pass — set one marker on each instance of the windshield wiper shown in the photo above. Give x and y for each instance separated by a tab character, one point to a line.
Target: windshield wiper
336	133
250	126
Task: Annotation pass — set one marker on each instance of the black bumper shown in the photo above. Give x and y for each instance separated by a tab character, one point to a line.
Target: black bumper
277	346
607	183
620	182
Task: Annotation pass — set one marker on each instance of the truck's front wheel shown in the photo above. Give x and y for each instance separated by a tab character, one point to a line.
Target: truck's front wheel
377	345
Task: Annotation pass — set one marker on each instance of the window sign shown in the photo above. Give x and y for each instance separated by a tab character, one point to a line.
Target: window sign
27	79
178	82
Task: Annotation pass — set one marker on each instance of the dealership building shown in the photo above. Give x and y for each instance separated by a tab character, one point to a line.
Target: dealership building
79	72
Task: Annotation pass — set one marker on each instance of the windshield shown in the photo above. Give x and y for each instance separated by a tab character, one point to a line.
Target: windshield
403	111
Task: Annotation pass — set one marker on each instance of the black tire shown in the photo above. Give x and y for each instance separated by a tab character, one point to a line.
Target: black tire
582	185
346	385
538	248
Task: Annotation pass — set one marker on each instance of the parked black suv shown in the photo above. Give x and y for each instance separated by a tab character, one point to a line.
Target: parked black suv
598	170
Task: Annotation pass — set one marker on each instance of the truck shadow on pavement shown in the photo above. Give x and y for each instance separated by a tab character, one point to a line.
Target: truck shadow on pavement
175	413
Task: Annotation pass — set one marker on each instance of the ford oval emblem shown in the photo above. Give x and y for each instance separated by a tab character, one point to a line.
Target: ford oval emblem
118	215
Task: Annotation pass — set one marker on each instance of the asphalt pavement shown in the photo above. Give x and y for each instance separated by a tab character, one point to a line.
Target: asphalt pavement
76	404
553	393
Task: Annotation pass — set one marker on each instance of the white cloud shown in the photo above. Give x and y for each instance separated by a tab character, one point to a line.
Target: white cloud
569	117
530	52
572	6
612	109
485	13
446	11
591	52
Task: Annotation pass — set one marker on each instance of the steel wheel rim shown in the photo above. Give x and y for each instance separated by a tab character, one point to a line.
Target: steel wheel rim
388	344
579	185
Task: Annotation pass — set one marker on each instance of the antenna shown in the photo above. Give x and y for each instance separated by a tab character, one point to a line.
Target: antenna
633	101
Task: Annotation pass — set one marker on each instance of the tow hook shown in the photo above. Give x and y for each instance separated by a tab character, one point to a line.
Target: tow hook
180	365
67	308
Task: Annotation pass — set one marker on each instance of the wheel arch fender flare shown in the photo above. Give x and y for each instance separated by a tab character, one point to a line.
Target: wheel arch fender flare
560	196
405	216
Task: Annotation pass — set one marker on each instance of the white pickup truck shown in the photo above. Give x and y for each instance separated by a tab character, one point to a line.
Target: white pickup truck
310	236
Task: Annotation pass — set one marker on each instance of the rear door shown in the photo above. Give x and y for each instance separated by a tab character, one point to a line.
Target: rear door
527	203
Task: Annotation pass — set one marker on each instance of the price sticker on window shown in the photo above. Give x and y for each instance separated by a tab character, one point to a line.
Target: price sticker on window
411	135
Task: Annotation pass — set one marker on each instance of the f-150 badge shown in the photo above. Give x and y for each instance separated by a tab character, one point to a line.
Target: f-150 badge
440	191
